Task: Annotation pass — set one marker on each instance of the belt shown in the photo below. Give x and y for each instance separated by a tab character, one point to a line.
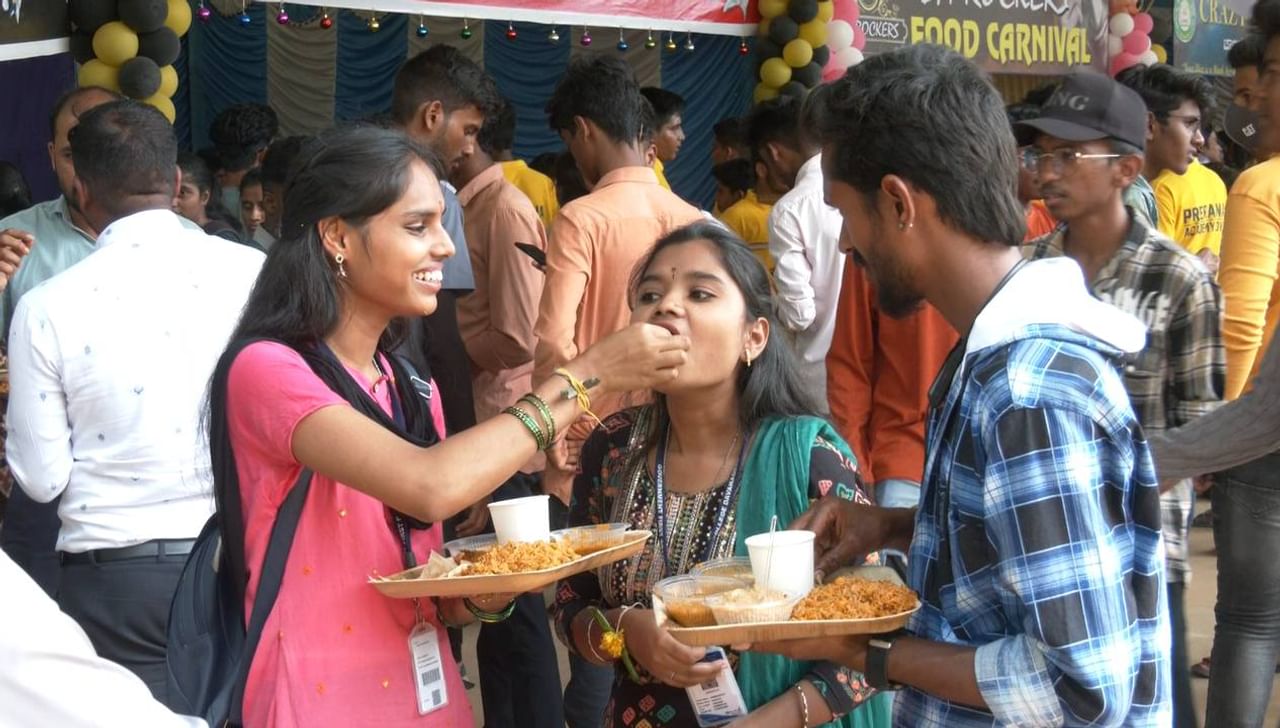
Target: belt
147	550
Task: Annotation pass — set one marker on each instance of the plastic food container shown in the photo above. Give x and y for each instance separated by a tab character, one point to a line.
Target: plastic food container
728	610
734	567
684	598
483	542
589	539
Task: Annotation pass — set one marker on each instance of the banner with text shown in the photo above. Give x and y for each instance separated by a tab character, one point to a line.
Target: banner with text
1203	32
1003	36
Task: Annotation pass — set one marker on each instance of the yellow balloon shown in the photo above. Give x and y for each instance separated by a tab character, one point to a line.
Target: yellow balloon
1162	56
168	81
797	53
772	8
114	43
763	31
775	73
179	18
97	73
826	10
164	104
764	93
814	32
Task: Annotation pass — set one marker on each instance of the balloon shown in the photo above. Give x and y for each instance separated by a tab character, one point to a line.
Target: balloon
826	10
859	37
89	15
1162	55
775	73
798	53
766	48
831	72
1143	23
168	81
839	34
139	78
1121	62
1117	6
115	43
764	93
821	55
814	31
1149	58
161	46
783	30
165	105
848	57
179	18
1137	43
763	30
772	8
846	10
802	11
1115	45
97	73
809	76
144	16
1121	24
81	46
793	89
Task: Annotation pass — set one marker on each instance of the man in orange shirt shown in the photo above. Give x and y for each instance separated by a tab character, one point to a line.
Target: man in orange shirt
594	245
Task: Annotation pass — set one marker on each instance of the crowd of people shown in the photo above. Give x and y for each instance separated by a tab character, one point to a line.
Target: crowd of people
984	344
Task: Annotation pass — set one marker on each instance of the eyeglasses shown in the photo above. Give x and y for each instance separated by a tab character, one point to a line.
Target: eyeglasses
1060	162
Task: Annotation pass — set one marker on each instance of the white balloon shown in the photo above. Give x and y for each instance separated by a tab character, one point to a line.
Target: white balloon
1149	58
1115	45
839	35
848	57
1121	24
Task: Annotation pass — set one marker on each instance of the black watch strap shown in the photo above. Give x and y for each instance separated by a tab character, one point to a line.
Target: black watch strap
877	672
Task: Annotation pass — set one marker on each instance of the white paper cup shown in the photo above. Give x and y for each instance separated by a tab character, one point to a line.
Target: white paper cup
784	559
522	519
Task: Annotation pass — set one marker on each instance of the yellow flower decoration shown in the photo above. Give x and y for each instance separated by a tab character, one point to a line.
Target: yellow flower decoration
612	643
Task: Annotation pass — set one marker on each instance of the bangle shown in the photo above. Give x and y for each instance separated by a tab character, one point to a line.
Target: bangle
613	641
534	429
591	645
544	411
441	617
489	617
578	390
804	706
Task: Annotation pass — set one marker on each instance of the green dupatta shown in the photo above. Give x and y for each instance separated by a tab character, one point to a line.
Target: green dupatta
775	481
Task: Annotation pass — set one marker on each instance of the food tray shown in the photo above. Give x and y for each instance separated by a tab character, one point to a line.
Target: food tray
737	634
408	584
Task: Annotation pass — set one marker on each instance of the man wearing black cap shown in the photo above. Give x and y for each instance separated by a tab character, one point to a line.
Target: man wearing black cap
1087	147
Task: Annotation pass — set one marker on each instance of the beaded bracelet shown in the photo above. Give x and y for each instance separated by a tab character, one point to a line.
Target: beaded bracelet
489	617
534	428
543	410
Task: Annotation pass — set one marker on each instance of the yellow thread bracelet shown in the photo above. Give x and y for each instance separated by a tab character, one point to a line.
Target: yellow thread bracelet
579	392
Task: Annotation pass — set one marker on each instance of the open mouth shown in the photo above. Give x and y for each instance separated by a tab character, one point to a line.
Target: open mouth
668	326
429	277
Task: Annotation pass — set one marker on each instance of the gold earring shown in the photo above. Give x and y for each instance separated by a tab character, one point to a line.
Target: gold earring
748	359
904	226
342	272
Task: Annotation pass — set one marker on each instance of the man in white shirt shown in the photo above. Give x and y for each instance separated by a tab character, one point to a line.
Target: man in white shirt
108	368
50	675
804	237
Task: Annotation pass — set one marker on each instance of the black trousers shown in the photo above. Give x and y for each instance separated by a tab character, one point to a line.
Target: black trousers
29	537
124	608
519	677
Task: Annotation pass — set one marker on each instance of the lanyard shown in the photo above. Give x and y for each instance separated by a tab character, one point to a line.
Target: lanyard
660	499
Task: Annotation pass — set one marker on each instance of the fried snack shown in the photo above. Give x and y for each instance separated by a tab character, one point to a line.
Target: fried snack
512	558
849	597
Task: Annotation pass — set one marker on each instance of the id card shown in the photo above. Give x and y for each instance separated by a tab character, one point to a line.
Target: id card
428	669
718	700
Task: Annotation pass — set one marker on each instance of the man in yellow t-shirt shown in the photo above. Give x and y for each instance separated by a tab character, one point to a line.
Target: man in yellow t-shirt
497	139
742	211
1191	207
666	127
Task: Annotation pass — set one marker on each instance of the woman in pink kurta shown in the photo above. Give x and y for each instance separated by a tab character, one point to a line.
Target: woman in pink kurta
307	382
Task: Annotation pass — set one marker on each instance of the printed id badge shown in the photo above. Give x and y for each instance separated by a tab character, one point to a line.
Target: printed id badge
718	700
428	669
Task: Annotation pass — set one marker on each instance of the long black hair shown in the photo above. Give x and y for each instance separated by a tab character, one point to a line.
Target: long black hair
196	170
353	173
770	387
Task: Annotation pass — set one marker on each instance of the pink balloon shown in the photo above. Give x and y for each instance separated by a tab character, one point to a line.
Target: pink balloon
1121	62
1143	23
831	73
1137	43
859	37
846	10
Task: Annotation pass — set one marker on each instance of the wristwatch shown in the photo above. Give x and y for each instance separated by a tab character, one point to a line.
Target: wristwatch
877	672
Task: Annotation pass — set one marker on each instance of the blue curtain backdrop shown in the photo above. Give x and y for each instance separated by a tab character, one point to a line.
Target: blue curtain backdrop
526	71
227	65
367	65
32	86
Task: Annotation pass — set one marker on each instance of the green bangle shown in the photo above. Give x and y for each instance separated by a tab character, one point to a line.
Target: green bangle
534	429
489	617
543	410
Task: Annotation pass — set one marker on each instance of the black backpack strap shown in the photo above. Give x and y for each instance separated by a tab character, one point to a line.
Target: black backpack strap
273	565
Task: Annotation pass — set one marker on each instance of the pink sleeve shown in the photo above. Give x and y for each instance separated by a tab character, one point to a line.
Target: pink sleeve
269	390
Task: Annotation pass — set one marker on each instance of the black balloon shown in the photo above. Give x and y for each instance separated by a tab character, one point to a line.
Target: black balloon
808	76
793	88
783	30
139	78
821	55
766	48
161	46
89	15
81	46
144	16
802	11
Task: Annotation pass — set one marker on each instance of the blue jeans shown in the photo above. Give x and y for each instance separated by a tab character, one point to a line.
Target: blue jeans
1246	640
587	694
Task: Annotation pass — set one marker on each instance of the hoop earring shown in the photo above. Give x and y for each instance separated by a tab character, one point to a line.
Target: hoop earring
342	272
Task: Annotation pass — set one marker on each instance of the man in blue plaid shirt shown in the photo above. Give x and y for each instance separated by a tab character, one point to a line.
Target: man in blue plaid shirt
1036	549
